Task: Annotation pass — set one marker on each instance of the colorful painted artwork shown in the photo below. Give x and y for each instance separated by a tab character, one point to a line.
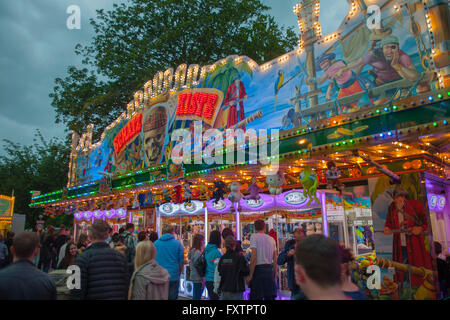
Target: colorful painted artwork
404	252
6	206
345	72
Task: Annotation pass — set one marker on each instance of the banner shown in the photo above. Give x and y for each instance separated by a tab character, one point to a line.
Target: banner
6	206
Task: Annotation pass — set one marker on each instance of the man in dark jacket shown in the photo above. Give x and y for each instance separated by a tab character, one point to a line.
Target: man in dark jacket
287	256
232	269
22	280
104	272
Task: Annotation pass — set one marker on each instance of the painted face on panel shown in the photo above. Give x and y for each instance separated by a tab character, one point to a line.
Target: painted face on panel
154	130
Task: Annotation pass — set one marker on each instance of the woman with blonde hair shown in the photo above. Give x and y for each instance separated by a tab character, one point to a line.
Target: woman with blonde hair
150	281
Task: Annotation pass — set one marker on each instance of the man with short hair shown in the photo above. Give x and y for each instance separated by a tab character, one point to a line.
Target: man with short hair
170	256
287	256
130	241
263	264
318	268
104	272
22	280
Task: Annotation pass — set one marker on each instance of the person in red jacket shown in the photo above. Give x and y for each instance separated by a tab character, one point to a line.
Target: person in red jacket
406	219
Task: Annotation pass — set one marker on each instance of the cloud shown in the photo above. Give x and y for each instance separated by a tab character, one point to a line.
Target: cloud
37	47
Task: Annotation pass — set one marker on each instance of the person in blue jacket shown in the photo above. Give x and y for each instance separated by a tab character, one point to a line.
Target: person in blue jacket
212	256
287	256
170	256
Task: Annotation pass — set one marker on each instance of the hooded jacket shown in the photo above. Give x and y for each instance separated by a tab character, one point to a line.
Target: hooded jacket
150	282
169	255
211	255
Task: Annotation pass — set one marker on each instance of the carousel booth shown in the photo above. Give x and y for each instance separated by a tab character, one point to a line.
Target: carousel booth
117	218
343	217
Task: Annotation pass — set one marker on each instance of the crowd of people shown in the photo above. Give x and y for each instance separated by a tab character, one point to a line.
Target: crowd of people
122	266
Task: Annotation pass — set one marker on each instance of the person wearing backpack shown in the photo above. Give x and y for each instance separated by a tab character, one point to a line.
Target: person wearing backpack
130	241
212	256
233	268
198	243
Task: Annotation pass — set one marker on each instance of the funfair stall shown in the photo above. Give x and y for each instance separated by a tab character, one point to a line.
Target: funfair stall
347	114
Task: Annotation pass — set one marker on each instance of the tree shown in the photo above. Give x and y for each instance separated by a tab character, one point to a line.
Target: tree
133	41
42	166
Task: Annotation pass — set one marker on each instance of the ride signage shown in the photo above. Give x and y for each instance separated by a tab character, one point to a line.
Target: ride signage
128	133
199	104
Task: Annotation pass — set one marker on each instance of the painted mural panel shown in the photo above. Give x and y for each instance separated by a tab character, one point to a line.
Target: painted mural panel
350	70
402	239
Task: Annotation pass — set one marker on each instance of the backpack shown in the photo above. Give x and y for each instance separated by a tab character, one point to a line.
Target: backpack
200	265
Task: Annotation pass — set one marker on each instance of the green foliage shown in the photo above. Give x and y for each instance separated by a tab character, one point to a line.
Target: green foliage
42	166
223	74
135	40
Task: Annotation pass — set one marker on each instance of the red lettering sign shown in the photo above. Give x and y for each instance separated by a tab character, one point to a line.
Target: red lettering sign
127	133
197	104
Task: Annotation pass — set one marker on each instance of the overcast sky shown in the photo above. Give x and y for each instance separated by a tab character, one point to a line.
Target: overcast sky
37	47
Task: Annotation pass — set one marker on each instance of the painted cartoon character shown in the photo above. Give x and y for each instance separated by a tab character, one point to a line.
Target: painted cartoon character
187	192
233	99
177	197
254	190
346	81
310	183
333	174
275	181
235	194
219	191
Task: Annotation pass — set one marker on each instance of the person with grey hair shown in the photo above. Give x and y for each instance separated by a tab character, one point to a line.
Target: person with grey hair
170	256
22	280
104	272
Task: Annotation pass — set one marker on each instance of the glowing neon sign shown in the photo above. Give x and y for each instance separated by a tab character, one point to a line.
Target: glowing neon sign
128	133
